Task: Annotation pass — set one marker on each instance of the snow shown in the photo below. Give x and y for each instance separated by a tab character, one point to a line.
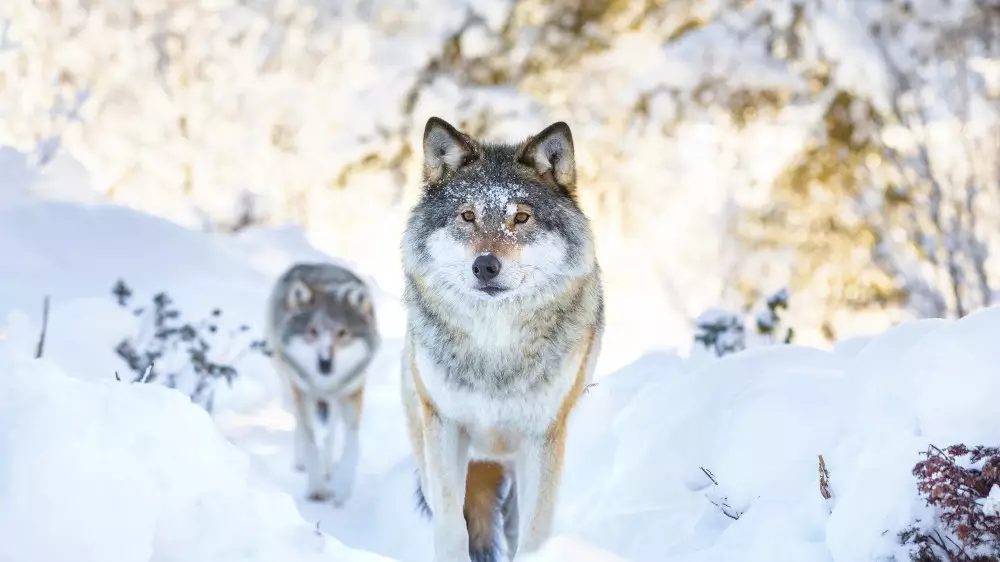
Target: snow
670	458
124	472
991	506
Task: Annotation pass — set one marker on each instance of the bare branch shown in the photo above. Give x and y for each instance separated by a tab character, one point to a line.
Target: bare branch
824	479
45	327
710	475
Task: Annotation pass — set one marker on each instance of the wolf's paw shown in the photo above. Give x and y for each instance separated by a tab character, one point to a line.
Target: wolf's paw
341	484
340	490
318	495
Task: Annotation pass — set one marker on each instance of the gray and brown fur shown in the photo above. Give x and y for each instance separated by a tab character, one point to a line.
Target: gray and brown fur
322	333
507	360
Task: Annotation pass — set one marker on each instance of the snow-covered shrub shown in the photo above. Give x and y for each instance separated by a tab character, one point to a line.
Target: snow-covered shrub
962	484
723	332
769	321
177	353
720	331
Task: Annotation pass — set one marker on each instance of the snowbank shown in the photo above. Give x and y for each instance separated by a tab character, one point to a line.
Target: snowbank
117	472
757	421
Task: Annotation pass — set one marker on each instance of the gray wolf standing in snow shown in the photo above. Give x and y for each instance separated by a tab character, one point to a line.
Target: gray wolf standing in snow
322	333
504	321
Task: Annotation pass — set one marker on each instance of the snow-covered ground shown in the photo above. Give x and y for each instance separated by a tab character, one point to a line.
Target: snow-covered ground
92	468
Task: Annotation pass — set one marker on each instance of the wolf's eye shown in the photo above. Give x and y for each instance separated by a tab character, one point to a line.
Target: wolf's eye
521	218
342	334
468	216
311	333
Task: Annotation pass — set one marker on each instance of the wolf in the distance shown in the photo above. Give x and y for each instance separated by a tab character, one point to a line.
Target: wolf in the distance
322	334
505	316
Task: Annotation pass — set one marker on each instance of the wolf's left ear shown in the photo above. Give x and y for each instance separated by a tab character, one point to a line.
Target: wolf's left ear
299	295
550	153
446	149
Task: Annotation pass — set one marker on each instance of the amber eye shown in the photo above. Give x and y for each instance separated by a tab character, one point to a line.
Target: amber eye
342	334
311	333
521	218
468	216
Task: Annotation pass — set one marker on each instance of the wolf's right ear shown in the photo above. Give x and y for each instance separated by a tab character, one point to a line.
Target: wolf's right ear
551	154
299	295
446	149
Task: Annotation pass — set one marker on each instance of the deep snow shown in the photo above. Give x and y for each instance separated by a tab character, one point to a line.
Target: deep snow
125	472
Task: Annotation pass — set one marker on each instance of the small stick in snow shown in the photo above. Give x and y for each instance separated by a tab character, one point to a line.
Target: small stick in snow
710	475
824	479
145	375
726	509
45	325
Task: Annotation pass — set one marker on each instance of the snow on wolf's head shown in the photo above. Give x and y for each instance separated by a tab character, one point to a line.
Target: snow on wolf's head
498	221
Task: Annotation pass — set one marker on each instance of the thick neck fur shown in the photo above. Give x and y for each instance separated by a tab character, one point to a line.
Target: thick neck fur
504	346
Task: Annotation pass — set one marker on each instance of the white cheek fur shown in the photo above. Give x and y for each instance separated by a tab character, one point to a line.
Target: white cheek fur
547	253
305	354
445	250
349	357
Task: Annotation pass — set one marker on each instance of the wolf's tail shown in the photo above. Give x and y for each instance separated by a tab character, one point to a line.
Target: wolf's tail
490	511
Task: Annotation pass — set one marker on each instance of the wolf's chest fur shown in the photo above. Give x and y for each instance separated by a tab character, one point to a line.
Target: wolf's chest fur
498	349
502	370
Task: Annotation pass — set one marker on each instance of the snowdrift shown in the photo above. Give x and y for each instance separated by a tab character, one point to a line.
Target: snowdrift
117	472
757	422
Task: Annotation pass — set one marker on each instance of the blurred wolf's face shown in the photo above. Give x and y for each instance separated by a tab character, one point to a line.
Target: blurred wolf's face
490	225
324	337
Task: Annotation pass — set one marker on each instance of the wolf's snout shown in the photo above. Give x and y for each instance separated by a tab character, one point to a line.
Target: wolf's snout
486	267
325	366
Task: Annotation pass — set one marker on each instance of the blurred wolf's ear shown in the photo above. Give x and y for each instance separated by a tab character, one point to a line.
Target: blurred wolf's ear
358	298
446	149
299	295
550	154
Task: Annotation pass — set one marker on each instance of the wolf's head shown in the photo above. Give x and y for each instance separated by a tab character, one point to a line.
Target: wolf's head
497	221
328	331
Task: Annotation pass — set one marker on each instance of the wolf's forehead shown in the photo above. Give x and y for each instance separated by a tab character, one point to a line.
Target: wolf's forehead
493	196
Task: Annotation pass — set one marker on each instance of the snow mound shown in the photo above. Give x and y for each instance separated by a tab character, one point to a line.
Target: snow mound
720	461
117	472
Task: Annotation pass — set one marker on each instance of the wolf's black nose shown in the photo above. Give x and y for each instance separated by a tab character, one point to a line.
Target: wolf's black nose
325	366
486	267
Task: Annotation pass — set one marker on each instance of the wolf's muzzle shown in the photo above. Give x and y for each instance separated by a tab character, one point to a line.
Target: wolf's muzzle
325	366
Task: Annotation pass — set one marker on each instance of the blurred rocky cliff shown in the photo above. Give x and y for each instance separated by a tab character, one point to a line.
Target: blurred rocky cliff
845	148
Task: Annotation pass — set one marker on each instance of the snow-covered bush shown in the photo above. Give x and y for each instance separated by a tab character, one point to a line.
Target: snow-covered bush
178	353
769	321
720	331
963	485
723	332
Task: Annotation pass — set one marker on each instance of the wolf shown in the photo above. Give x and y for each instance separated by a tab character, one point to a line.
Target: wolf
505	315
322	333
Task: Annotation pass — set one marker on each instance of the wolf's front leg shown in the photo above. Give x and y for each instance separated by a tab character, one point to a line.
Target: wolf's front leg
316	473
343	475
446	448
301	438
300	435
539	469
